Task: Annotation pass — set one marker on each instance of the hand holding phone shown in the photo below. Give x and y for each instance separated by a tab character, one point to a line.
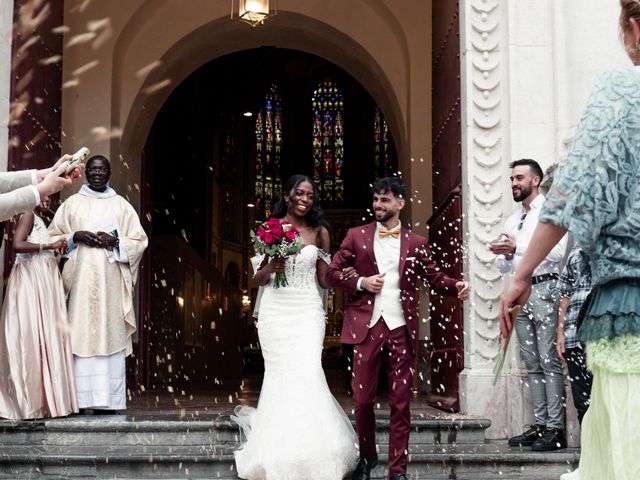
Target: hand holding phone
76	159
499	239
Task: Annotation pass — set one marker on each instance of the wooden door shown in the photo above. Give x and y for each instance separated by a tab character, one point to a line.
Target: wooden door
35	118
446	341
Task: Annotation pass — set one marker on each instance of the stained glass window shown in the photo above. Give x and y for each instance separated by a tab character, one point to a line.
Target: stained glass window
231	190
328	142
268	132
381	145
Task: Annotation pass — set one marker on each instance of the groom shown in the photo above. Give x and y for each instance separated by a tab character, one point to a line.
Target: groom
381	317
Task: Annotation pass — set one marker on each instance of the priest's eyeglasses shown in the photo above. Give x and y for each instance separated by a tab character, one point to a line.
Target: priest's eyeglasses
98	169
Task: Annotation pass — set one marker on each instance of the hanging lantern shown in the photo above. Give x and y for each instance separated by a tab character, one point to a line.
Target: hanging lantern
253	12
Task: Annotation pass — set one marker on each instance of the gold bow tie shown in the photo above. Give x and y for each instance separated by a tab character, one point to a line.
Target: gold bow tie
394	232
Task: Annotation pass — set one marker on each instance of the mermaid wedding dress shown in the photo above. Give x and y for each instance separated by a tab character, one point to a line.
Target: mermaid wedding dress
299	431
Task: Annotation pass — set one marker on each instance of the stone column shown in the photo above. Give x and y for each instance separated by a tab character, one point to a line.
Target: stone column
485	140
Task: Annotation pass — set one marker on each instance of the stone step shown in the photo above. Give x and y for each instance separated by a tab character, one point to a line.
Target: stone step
481	462
218	430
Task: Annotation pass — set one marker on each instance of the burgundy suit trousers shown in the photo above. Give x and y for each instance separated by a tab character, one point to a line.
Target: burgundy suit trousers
394	347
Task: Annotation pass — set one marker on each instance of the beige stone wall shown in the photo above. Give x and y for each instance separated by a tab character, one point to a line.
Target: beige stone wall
123	58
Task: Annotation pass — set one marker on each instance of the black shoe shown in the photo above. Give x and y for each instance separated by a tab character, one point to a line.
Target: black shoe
401	476
363	469
528	437
104	411
551	439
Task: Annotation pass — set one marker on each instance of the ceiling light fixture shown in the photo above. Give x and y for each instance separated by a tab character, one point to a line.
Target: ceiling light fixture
253	12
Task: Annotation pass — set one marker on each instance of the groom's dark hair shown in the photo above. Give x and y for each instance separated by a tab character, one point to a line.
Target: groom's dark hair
391	184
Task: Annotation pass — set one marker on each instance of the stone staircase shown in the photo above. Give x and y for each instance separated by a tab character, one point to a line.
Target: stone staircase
165	447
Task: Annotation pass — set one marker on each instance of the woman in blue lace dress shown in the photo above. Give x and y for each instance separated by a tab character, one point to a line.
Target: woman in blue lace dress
596	196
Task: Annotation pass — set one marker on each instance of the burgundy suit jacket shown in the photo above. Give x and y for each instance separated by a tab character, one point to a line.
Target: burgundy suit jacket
415	265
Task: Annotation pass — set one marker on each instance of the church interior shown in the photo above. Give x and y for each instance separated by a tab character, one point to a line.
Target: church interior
215	159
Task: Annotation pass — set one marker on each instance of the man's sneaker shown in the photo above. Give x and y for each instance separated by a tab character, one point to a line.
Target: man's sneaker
571	475
551	439
528	437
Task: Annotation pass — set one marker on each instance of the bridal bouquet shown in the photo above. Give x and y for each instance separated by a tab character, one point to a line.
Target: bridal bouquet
277	239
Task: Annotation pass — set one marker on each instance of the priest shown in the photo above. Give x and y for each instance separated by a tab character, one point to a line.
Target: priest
106	243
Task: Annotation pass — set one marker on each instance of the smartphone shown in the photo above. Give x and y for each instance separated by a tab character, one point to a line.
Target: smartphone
76	159
499	239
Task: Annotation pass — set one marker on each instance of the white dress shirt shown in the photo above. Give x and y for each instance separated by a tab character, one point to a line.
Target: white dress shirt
522	230
387	302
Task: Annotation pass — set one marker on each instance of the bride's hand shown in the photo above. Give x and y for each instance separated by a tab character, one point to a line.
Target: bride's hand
276	265
348	273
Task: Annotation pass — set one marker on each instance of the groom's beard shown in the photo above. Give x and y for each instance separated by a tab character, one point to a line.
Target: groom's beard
385	216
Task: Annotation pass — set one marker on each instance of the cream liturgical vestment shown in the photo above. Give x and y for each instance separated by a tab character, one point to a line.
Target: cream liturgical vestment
100	285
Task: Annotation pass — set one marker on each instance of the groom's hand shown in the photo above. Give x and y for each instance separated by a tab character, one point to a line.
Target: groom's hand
463	290
374	283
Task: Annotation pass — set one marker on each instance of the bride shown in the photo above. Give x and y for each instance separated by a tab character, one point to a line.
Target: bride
298	431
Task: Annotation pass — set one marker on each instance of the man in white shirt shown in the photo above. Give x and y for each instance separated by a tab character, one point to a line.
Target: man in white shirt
536	323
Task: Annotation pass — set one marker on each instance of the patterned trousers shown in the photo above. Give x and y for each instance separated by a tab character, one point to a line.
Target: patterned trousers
536	331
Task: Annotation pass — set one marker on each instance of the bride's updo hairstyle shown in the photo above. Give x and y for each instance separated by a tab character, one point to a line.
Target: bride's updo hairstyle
315	216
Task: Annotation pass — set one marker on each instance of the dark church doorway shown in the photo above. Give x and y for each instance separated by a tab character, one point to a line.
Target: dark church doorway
213	162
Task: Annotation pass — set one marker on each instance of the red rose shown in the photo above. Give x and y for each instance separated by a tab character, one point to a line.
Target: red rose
290	236
277	232
260	233
268	238
272	223
294	230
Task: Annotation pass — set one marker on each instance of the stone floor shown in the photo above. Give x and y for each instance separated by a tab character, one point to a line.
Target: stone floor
195	400
185	432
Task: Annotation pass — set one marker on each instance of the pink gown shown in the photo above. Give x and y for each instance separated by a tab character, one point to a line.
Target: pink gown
36	363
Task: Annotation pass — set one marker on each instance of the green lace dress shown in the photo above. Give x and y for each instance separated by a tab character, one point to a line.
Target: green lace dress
596	195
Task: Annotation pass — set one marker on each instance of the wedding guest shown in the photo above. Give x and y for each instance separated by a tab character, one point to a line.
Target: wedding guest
36	364
106	243
596	196
21	191
536	323
574	286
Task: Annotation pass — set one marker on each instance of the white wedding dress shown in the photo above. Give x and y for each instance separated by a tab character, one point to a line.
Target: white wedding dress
299	431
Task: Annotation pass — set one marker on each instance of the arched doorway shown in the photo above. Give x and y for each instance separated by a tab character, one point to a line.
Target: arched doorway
215	158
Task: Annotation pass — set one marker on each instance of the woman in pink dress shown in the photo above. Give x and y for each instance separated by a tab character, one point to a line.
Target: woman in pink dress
36	364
